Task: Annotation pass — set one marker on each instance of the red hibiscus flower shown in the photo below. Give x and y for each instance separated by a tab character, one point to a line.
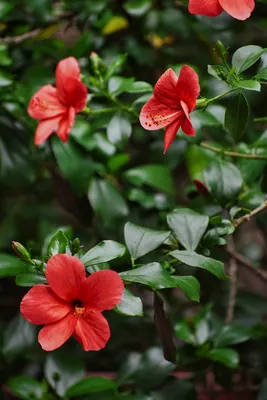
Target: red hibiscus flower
72	304
173	100
56	108
239	9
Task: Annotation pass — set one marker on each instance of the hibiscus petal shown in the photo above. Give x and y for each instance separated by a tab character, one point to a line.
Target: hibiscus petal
45	104
239	9
209	8
165	89
171	132
73	92
102	290
66	124
65	275
52	336
44	129
188	128
155	115
188	86
41	306
65	68
92	331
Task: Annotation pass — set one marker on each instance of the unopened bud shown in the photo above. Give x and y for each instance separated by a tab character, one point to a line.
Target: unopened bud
75	246
21	252
202	103
97	63
220	49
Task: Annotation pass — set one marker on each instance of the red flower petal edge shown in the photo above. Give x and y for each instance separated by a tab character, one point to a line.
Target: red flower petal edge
72	304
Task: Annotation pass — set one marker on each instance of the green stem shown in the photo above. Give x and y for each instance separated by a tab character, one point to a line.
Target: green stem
89	111
232	153
261	119
222	95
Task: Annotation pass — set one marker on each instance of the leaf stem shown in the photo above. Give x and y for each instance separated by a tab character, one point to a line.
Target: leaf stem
247	217
261	119
232	153
222	95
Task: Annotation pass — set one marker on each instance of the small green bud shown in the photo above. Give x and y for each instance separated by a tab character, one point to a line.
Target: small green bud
220	49
21	252
202	103
75	246
97	63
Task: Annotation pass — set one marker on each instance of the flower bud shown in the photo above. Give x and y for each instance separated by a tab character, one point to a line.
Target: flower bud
75	246
97	63
21	252
220	49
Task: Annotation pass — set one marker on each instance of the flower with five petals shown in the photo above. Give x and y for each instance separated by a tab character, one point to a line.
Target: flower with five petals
72	304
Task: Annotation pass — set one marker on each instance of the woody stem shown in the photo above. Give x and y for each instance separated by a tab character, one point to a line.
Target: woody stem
232	153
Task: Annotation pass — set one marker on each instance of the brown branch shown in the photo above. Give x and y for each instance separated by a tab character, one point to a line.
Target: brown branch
247	263
247	217
21	38
233	284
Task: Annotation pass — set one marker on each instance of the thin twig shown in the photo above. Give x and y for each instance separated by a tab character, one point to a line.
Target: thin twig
247	217
232	153
247	263
233	284
21	38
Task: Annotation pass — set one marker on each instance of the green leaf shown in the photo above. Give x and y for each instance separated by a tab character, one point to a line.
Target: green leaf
5	60
189	285
155	175
193	259
184	332
115	66
30	279
137	8
202	332
218	72
103	252
197	159
90	385
249	85
236	116
246	56
153	275
187	226
140	240
62	370
262	74
140	87
6	79
232	334
58	244
130	305
73	164
227	357
223	180
119	129
26	388
19	336
11	266
107	201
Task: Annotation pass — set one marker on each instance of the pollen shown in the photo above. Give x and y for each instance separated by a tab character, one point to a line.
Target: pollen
79	310
158	119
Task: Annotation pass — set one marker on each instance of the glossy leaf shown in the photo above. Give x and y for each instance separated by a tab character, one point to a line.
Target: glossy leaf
223	180
246	56
228	357
30	279
189	285
232	334
130	305
153	275
193	259
249	85
236	116
103	252
25	387
187	226
119	129
157	176
11	266
90	385
140	240
58	244
62	370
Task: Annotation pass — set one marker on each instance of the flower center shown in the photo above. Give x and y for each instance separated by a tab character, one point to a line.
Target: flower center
78	307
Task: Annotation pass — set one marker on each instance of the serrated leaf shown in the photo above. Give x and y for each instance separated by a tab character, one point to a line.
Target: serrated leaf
193	259
140	240
187	226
